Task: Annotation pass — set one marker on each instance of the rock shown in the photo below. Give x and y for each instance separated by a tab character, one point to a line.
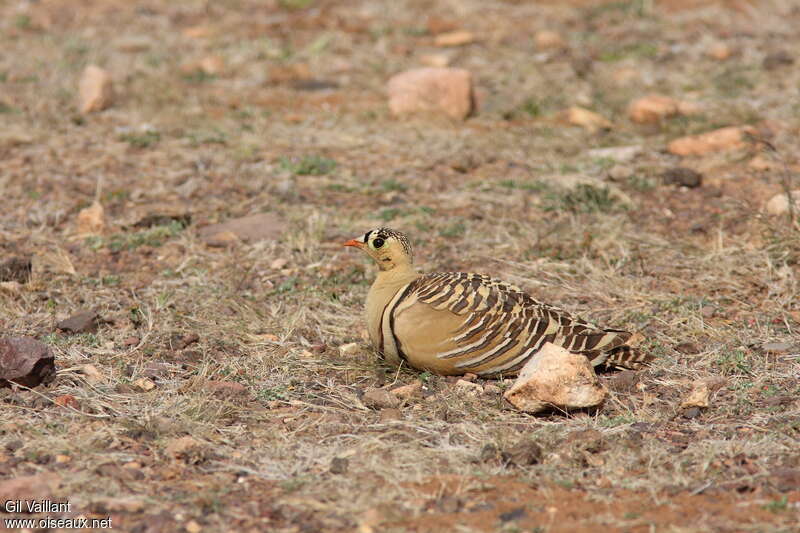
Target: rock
588	440
548	39
222	239
783	479
289	73
620	154
723	139
131	341
652	108
154	369
491	454
468	386
719	51
183	446
513	515
779	204
32	488
390	414
380	399
701	391
492	389
95	89
778	59
448	504
619	173
162	214
688	348
589	120
408	391
436	25
655	107
778	348
762	163
212	65
339	465
225	389
16	269
14	445
692	412
435	60
555	377
370	520
91	220
351	348
624	381
319	348
582	65
144	384
67	400
134	44
454	38
697	397
25	361
682	176
91	374
81	322
426	90
524	453
263	226
181	342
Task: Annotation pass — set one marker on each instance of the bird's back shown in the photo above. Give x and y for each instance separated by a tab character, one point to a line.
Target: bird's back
456	322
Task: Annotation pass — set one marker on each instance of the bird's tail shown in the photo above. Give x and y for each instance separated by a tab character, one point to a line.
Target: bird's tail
621	354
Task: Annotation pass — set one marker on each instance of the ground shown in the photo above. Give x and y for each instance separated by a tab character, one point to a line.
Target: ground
218	399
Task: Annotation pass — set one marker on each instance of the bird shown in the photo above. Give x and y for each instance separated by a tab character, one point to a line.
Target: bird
454	323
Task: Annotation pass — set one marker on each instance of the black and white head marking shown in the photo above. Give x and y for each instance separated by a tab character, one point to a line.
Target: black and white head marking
385	233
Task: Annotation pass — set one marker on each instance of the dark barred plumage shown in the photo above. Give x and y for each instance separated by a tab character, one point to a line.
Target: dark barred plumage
456	322
501	318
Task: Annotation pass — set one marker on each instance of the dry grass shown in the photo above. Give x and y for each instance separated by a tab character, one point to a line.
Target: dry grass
701	272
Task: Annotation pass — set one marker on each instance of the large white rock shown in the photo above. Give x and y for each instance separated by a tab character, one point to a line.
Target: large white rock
555	377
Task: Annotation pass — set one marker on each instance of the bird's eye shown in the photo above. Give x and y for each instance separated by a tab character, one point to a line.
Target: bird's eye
377	243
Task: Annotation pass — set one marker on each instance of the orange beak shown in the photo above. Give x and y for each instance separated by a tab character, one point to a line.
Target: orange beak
353	242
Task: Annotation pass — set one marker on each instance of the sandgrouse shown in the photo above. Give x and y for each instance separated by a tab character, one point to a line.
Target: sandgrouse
453	323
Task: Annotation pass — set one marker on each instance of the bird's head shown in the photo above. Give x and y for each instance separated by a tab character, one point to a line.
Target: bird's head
389	248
